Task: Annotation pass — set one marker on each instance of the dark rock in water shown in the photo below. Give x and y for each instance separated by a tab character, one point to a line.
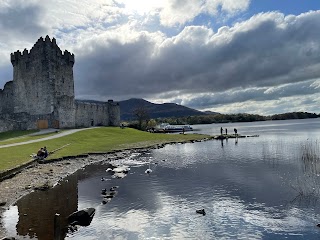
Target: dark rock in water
72	229
2	204
201	211
318	225
82	217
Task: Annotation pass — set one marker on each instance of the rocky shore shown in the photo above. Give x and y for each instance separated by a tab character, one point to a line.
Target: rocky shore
41	176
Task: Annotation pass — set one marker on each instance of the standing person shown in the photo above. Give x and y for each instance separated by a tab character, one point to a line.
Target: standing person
226	131
235	132
221	130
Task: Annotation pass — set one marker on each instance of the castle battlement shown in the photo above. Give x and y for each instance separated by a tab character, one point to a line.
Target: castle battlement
43	45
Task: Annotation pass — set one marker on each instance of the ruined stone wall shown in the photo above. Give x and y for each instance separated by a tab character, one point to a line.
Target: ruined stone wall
6	98
91	114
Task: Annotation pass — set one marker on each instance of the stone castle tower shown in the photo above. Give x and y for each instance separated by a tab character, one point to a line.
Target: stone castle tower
42	92
44	76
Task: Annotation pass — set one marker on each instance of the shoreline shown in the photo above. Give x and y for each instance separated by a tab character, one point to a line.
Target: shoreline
36	175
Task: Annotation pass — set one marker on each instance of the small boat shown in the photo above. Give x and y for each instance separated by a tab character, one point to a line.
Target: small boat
167	128
176	128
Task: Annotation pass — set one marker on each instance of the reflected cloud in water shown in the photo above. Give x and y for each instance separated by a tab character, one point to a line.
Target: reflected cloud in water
249	190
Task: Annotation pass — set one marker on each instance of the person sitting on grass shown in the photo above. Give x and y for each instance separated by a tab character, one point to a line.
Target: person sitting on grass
41	153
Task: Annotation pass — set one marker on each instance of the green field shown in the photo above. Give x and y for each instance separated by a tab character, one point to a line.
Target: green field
11	135
102	139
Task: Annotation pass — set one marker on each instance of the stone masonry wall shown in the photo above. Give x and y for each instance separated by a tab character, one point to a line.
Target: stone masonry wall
91	114
113	113
6	125
6	98
22	121
65	112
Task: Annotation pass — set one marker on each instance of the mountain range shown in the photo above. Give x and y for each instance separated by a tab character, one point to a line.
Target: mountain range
155	110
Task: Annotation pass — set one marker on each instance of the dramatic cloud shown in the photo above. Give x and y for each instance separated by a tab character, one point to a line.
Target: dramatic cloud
250	94
267	50
20	20
19	23
182	11
168	50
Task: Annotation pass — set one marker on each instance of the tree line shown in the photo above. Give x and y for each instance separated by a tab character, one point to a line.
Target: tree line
143	121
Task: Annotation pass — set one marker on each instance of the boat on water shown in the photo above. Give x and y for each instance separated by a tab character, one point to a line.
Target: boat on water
167	128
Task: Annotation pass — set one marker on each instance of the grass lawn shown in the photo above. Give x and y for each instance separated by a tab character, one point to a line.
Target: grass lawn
25	137
14	134
93	140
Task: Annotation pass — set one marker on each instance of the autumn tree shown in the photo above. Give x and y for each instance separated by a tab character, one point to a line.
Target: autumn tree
142	116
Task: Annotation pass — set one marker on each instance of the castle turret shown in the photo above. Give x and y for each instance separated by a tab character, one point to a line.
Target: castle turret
114	113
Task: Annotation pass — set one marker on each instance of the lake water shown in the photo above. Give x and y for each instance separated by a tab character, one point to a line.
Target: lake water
264	187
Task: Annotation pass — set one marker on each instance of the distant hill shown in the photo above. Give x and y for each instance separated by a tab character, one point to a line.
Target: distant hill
155	110
210	112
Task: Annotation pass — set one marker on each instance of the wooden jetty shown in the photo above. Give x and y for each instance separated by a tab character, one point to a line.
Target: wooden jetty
227	136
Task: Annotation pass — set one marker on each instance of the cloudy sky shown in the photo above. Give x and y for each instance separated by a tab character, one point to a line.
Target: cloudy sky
229	56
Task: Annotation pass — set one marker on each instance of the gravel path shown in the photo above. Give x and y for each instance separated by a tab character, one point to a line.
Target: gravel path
64	133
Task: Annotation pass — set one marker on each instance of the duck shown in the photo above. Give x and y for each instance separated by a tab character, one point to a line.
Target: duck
201	211
104	191
148	171
113	188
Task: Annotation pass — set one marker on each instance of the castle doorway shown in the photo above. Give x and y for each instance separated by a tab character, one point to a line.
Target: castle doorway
42	124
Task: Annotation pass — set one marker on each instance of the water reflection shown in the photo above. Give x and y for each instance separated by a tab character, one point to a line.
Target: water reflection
36	211
250	188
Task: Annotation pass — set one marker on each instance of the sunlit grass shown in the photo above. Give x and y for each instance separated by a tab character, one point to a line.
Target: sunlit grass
103	139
